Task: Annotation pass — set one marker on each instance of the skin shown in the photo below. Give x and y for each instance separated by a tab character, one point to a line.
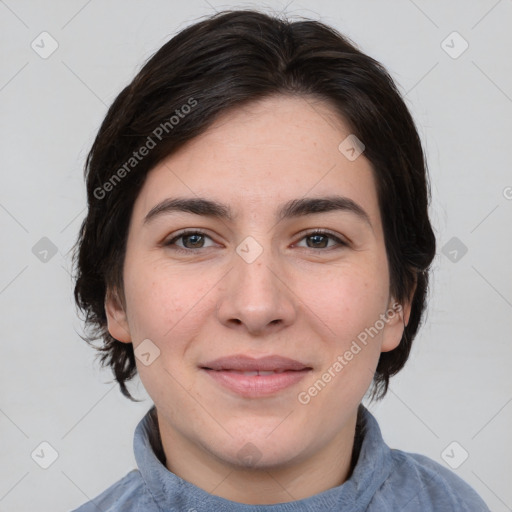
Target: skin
302	298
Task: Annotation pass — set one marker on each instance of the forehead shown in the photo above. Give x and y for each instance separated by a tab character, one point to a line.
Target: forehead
258	156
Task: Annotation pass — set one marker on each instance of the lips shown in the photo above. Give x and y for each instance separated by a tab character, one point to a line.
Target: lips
240	363
252	378
257	372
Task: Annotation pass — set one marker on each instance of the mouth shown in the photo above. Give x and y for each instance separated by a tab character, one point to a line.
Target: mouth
252	373
252	378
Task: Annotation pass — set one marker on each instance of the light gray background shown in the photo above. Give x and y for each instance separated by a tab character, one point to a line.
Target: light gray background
457	385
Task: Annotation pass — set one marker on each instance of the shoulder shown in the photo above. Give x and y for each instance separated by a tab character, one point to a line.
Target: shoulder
127	494
417	482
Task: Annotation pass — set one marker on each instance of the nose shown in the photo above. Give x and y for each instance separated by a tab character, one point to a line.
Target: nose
256	297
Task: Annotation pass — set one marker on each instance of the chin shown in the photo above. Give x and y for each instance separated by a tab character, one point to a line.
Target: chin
261	451
252	456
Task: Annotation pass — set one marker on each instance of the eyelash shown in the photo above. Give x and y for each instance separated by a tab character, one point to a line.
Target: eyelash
199	232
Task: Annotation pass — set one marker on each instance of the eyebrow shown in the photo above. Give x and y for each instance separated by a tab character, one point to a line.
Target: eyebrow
294	208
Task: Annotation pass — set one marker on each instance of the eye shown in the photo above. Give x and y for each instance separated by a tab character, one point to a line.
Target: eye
192	240
195	239
319	239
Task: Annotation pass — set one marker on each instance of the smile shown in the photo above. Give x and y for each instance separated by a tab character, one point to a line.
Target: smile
251	378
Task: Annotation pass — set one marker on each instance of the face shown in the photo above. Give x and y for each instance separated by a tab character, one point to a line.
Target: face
211	300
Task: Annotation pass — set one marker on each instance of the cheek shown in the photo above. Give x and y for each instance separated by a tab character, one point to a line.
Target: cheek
347	300
161	310
154	304
165	305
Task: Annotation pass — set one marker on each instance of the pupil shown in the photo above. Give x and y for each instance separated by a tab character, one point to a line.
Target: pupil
316	237
194	236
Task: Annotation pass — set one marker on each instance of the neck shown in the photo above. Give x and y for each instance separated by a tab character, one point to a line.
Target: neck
327	468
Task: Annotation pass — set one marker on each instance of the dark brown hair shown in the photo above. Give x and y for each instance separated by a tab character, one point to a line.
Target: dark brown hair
221	63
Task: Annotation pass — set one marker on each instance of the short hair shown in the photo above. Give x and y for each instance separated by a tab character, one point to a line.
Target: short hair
223	62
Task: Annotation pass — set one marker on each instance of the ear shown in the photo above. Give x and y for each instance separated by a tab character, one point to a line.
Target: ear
117	321
397	318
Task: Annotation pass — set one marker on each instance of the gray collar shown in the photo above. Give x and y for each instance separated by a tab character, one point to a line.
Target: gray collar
371	468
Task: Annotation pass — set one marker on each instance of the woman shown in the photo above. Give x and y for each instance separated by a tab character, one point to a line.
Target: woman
257	248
